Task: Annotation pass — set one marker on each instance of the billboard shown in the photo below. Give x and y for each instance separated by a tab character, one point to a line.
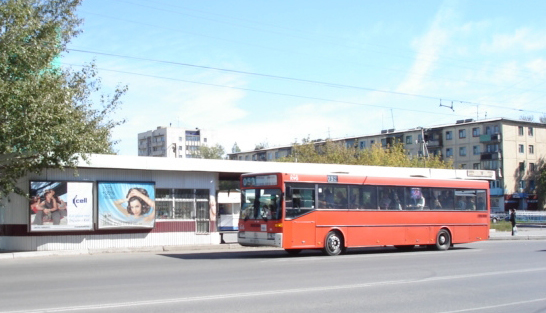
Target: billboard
60	206
126	205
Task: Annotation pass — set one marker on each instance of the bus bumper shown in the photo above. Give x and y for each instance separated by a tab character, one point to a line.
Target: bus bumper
259	239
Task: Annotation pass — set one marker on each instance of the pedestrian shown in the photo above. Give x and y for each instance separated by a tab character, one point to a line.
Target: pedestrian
513	221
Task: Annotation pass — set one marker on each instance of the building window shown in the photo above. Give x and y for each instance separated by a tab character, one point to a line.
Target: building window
521	167
520	130
475	132
521	149
449	135
372	142
362	145
522	184
488	130
492	148
180	138
449	152
408	140
462	133
476	150
531	149
496	129
531	167
462	151
532	185
530	133
181	203
463	166
476	166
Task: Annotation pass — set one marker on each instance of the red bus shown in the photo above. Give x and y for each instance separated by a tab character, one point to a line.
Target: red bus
298	211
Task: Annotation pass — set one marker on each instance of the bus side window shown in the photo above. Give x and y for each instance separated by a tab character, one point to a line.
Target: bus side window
436	200
447	199
301	202
482	200
384	198
363	197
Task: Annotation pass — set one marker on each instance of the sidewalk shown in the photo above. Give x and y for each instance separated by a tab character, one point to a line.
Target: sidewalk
530	232
525	232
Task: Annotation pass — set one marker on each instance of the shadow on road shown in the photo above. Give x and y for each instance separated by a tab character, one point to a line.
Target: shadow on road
279	254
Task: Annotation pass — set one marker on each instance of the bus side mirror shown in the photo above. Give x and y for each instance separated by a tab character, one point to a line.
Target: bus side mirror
288	192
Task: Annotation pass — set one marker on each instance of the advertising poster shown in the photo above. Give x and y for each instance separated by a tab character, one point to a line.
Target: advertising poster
59	206
126	205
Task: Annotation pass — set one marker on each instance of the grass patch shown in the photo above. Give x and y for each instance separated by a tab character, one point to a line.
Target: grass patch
502	226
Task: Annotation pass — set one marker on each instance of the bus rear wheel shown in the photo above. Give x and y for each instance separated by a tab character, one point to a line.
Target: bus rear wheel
333	245
443	240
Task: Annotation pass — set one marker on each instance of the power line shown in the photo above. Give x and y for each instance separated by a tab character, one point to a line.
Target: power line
270	48
300	80
387	50
266	92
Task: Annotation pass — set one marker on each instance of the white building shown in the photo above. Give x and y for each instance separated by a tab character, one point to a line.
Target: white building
514	149
174	142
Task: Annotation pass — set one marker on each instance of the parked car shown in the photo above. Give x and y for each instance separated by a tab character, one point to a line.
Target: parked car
497	217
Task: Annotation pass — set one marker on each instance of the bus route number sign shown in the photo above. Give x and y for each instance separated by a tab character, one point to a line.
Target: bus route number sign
332	178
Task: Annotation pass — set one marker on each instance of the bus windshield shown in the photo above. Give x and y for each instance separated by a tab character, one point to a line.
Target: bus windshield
261	204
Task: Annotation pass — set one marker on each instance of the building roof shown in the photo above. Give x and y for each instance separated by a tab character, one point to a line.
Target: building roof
391	132
231	169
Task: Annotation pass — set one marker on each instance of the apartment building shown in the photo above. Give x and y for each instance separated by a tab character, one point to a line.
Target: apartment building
173	142
514	149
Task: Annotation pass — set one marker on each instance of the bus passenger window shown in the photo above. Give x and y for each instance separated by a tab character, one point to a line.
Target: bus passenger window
301	202
363	197
447	199
384	198
482	204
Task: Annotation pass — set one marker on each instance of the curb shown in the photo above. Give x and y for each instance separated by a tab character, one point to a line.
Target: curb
519	237
202	248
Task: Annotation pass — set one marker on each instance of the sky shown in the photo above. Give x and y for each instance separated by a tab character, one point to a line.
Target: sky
277	72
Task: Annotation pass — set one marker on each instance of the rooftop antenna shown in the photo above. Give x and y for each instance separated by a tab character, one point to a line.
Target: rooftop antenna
451	106
392	116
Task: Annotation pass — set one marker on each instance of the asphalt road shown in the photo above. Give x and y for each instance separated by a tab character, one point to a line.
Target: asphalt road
494	276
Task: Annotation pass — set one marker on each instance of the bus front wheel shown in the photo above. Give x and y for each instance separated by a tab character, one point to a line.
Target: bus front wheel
443	240
333	245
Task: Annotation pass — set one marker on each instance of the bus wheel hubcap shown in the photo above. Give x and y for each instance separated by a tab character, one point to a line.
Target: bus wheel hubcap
334	243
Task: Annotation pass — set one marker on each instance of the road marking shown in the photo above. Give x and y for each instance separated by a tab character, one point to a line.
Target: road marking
496	306
280	292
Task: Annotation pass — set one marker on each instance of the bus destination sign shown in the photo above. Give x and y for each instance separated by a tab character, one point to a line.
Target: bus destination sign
260	180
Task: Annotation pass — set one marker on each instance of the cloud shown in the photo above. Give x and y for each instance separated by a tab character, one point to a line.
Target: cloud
428	48
522	38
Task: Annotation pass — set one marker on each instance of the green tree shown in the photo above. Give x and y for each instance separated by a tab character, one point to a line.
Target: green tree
330	152
48	116
215	152
235	148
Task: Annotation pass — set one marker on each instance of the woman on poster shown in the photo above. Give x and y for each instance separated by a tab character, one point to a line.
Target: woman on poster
139	204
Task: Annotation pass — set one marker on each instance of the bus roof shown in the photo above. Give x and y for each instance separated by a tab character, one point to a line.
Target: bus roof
398	172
